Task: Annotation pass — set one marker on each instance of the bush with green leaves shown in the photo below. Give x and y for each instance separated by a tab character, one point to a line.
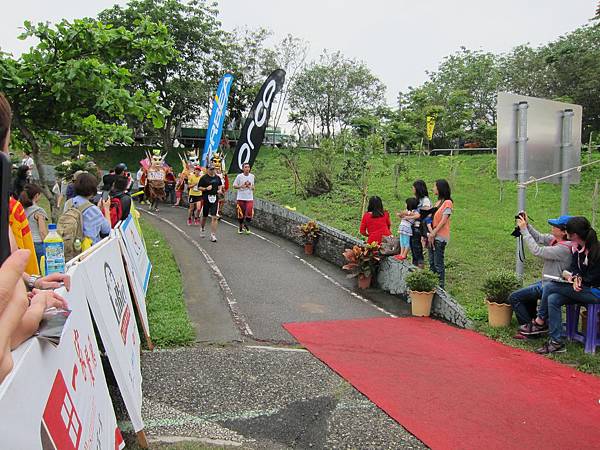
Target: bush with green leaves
499	285
422	281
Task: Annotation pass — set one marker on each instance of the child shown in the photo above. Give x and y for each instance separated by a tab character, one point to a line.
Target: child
405	228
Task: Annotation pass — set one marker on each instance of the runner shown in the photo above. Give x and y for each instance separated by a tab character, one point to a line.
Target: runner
244	183
211	185
219	163
194	196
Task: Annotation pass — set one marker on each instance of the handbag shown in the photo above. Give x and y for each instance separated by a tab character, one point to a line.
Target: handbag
390	245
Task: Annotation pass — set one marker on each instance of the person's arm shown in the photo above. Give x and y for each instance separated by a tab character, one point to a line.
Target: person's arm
409	215
363	225
236	183
434	231
126	204
554	252
388	220
41	221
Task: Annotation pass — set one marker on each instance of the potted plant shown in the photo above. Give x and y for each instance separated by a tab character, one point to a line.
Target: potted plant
421	287
362	263
310	232
497	287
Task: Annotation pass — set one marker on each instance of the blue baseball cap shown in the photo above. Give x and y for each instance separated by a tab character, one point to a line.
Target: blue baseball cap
560	222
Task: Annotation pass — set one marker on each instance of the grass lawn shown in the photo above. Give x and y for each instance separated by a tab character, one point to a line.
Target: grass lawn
170	325
481	223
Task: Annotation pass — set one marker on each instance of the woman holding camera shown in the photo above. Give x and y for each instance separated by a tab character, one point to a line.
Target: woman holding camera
555	251
584	281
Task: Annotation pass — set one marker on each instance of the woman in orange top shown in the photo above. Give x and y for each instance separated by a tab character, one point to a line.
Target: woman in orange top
375	223
440	235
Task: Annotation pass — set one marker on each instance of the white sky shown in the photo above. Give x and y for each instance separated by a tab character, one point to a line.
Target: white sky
398	40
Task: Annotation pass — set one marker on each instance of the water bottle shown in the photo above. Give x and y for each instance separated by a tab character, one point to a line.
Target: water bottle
54	251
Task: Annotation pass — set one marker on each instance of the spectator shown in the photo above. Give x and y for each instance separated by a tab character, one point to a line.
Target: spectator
119	191
554	250
439	236
27	161
170	183
424	205
96	219
375	223
141	184
108	180
37	217
70	191
584	281
21	179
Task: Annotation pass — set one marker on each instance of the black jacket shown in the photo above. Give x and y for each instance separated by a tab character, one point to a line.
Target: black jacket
588	271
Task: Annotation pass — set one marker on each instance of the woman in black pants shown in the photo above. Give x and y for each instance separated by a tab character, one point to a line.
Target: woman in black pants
416	245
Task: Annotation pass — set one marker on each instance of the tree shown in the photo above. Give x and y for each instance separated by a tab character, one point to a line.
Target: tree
69	91
185	84
332	92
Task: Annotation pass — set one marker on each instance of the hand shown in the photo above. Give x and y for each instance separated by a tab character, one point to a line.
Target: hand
521	223
577	284
53	281
53	299
431	239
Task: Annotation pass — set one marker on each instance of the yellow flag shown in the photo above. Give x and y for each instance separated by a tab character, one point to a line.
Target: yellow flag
430	126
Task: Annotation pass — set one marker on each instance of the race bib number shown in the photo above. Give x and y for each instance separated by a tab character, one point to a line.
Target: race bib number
212	198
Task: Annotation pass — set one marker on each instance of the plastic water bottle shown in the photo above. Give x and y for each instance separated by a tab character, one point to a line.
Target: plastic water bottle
54	251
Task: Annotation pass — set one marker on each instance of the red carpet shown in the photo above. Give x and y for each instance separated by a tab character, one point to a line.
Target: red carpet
456	389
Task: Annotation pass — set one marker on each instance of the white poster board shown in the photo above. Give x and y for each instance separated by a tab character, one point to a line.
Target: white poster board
56	397
138	266
107	293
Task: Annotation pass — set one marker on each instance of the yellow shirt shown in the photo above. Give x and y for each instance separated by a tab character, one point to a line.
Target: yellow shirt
20	228
193	184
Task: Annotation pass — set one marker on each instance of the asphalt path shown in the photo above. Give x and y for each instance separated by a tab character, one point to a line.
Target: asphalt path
264	281
246	384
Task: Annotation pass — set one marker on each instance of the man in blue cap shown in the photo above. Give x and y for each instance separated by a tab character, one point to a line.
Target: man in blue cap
555	251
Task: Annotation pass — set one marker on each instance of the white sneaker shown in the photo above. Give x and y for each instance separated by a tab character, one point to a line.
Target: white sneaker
213	238
202	233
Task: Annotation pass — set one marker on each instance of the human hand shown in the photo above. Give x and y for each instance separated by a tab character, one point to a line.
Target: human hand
431	239
521	223
53	299
577	284
53	281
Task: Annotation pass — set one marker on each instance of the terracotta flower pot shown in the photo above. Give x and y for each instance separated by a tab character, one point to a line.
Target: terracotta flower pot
499	314
420	303
364	281
309	248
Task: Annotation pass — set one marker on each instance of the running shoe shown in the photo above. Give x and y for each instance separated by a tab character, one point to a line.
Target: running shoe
197	222
202	233
240	231
213	238
189	222
247	230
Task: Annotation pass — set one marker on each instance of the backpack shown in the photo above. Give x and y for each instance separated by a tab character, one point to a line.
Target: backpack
70	228
116	211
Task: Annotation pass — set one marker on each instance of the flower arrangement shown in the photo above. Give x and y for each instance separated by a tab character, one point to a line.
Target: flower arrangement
309	230
67	168
362	260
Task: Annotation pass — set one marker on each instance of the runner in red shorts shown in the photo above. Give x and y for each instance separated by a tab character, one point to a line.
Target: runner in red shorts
244	184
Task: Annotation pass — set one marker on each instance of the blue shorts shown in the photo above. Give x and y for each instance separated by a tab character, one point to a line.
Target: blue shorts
404	240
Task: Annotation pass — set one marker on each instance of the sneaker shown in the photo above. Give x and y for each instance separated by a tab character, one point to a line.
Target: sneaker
197	222
551	347
240	231
202	233
533	329
189	222
520	337
247	230
213	238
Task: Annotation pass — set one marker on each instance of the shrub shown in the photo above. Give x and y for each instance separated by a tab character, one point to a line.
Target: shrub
498	286
422	281
362	260
309	230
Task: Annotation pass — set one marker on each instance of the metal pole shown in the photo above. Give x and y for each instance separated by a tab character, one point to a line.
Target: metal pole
565	153
521	169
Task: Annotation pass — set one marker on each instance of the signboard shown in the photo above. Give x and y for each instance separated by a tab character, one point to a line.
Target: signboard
56	396
137	265
107	293
544	129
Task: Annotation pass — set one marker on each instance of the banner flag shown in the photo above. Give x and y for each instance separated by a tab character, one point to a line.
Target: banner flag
217	117
430	127
107	293
253	131
56	396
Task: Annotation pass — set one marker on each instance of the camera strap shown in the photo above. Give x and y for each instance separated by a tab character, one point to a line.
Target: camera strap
521	249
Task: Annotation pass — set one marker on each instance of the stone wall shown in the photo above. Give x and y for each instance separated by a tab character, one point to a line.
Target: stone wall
282	222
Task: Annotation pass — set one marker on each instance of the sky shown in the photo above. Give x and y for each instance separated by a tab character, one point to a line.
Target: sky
398	40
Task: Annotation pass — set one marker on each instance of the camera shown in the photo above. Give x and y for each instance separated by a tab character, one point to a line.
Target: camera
517	231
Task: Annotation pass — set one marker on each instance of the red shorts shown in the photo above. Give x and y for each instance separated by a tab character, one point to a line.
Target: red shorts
245	209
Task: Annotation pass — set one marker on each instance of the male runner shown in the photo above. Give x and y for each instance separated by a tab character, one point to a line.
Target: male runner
244	183
211	185
194	196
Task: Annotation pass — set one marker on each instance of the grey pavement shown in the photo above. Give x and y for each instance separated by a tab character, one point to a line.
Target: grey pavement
246	384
